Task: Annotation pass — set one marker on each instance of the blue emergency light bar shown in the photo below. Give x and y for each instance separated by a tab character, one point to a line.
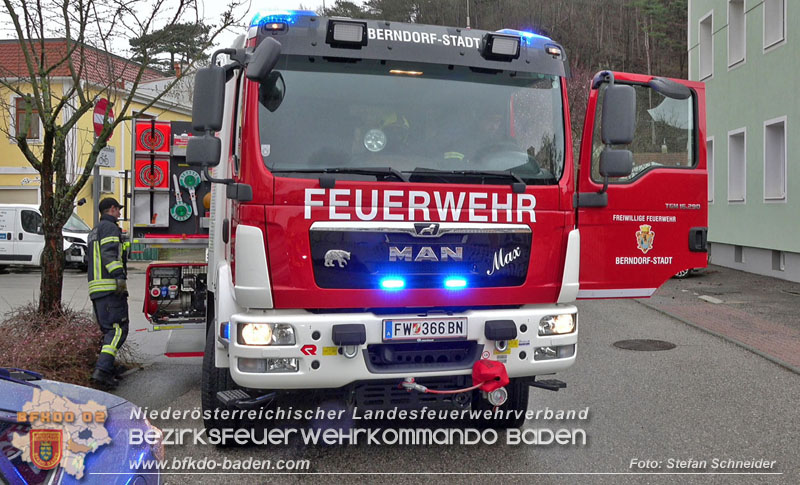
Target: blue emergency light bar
393	283
526	37
288	17
455	283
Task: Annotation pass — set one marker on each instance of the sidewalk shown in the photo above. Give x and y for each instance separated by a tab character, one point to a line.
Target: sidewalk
757	312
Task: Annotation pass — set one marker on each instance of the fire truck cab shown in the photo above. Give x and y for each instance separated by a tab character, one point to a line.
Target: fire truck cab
397	212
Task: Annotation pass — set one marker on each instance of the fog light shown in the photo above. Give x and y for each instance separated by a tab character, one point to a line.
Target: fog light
556	325
252	365
550	353
282	365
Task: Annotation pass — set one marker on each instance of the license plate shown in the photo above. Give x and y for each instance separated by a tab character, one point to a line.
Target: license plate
416	329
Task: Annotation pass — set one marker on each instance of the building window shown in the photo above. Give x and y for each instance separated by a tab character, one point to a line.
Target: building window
710	166
736	32
706	46
737	165
775	159
21	119
774	22
738	254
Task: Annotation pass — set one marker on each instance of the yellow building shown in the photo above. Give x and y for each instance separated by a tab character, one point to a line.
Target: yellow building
20	182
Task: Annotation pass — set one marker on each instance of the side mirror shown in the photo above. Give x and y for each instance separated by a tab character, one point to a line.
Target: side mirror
209	99
669	88
272	92
619	115
239	192
204	151
616	163
263	60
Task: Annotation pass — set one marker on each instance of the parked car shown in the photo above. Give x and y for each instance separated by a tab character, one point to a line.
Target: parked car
17	388
22	238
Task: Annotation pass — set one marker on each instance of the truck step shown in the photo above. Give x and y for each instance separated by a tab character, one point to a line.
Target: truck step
231	397
549	384
241	399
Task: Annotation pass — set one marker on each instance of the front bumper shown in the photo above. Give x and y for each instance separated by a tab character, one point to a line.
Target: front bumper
321	364
76	254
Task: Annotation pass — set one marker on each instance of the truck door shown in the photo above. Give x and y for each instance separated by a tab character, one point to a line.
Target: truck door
7	223
30	237
648	225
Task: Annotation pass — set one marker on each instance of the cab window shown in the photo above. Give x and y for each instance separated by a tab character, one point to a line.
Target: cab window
664	136
31	222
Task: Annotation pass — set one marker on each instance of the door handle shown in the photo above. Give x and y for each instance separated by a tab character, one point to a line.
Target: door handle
698	239
20	236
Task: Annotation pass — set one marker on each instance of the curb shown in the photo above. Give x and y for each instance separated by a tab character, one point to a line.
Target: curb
743	345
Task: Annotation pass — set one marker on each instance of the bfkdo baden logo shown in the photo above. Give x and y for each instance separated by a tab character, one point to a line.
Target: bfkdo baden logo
62	432
46	447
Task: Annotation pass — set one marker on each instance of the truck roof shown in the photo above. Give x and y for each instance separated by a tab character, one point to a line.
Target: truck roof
305	33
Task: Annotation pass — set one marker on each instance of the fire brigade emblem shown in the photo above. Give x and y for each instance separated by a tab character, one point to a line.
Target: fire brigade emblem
337	256
46	448
645	237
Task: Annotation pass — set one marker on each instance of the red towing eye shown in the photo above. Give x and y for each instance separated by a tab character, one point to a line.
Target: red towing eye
489	376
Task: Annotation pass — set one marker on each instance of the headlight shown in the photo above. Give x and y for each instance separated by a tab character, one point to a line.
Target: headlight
266	334
557	325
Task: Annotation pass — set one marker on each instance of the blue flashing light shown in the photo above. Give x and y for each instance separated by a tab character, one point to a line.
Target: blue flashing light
455	283
393	283
226	330
527	37
288	17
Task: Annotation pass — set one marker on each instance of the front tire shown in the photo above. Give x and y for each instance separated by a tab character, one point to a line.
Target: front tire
682	274
214	380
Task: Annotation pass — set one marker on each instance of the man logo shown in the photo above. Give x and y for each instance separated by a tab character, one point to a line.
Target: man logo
426	229
337	256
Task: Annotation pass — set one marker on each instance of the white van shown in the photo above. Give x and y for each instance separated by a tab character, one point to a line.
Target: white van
22	238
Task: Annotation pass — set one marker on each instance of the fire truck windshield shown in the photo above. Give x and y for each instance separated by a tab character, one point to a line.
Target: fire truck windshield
422	120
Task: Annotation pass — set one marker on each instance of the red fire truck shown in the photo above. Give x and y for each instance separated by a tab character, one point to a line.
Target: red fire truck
398	218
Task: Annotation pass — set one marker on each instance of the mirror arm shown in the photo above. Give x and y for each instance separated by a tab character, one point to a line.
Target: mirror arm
610	77
215	180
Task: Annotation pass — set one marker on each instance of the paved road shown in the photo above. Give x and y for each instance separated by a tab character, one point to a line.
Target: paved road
705	399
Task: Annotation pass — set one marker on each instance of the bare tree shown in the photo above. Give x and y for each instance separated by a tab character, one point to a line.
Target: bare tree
60	82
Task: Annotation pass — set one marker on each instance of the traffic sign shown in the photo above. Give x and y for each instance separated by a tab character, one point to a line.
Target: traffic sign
100	108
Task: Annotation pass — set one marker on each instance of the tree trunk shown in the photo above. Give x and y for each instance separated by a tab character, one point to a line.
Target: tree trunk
52	268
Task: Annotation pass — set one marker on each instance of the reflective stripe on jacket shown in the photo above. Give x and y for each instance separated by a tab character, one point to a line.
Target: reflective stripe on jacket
105	257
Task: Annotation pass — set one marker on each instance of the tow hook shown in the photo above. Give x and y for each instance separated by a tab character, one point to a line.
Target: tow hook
350	351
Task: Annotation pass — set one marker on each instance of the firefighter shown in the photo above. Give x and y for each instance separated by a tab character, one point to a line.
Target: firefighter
108	289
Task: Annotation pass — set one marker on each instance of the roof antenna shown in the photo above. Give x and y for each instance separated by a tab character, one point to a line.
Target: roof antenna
468	15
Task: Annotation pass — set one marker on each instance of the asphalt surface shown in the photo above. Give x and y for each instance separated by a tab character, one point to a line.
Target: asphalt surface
708	398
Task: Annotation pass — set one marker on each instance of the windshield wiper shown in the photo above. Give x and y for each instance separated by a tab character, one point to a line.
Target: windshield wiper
518	185
359	171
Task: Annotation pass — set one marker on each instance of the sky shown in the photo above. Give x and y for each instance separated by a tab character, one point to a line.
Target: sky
213	9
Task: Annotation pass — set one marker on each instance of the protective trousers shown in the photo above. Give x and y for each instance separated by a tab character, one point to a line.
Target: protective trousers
112	316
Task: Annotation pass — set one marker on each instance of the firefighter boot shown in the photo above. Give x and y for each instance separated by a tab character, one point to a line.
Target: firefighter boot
104	380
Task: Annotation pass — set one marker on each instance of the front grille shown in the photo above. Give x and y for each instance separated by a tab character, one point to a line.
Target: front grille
415	357
389	394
